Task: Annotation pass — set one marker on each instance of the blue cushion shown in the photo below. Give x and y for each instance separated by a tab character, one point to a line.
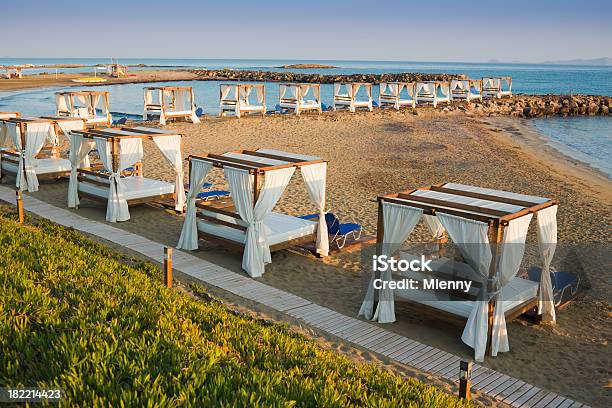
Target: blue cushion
309	216
214	193
348	228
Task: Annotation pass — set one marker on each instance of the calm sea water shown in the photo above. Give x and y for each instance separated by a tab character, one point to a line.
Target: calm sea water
586	139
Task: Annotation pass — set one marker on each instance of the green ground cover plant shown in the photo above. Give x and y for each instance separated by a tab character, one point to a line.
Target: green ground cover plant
75	315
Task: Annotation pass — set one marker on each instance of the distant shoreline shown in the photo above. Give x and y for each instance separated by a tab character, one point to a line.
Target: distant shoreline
307	66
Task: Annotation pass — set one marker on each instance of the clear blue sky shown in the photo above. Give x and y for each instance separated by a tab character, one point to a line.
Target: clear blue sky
433	30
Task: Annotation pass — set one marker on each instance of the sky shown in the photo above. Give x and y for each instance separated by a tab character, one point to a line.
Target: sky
390	30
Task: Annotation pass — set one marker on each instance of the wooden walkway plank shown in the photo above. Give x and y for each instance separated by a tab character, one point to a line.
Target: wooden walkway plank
525	397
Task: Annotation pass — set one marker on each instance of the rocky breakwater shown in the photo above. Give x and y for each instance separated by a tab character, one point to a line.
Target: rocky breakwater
533	106
268	76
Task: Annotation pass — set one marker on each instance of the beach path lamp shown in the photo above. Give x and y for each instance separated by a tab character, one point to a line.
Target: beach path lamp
465	379
168	267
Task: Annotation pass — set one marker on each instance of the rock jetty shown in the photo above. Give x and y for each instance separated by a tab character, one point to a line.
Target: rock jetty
269	76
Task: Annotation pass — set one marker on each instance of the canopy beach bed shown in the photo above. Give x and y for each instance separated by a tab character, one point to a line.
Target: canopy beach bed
396	94
496	87
466	89
346	94
257	179
433	92
489	228
238	99
34	148
295	97
120	149
170	102
90	105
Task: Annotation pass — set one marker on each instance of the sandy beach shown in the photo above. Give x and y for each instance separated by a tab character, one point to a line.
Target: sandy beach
383	152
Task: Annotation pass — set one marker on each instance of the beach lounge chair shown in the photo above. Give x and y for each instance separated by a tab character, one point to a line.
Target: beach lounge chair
213	194
565	285
339	231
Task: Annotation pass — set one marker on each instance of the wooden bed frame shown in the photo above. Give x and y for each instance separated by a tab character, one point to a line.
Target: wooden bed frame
298	109
391	101
226	207
234	102
497	221
98	171
464	94
435	101
350	98
70	114
495	92
46	152
157	108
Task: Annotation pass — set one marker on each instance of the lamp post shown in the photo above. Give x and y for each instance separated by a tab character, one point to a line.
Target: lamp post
465	379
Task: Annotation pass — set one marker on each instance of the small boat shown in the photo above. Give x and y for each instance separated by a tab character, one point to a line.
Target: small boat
89	79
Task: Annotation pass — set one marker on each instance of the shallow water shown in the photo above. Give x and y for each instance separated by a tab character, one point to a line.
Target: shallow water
585	138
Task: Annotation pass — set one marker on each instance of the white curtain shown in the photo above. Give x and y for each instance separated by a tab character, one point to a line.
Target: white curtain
471	238
79	151
67	125
14	133
282	91
61	103
434	226
194	116
355	90
259	90
315	176
148	100
398	222
189	234
130	152
36	135
170	146
225	91
512	250
547	242
162	105
256	250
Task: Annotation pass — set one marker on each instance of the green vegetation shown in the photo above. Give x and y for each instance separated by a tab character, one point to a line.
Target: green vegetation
75	315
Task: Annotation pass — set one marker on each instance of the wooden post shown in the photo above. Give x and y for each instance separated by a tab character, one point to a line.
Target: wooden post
19	206
465	379
168	267
497	231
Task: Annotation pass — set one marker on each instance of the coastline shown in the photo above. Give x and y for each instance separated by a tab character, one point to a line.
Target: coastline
540	147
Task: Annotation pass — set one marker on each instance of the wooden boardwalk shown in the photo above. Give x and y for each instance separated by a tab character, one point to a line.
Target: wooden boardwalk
367	335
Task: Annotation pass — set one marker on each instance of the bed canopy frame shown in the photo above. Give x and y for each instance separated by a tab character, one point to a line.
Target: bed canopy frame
466	89
170	102
34	151
120	151
433	92
295	96
496	87
257	179
346	95
396	94
489	228
238	99
84	104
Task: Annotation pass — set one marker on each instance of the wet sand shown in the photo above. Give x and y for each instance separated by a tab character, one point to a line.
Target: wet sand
384	152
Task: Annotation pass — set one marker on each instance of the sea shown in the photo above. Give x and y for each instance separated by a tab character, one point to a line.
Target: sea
588	139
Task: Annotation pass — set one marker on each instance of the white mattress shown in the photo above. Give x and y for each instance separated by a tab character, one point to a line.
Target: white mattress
97	119
517	292
303	105
278	227
41	166
179	113
135	187
246	108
